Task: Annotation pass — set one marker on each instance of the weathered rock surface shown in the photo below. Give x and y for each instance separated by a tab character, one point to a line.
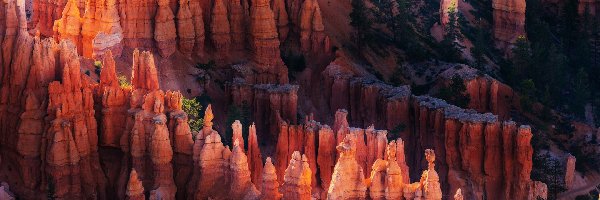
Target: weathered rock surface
570	170
164	29
265	45
135	189
509	21
101	29
348	176
254	157
68	27
220	31
270	185
186	35
297	179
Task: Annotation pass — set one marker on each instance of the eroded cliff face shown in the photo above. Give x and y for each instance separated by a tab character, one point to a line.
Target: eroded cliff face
509	21
486	93
67	121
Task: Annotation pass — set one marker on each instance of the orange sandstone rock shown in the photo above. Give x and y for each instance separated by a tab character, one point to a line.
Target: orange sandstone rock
570	171
186	35
281	19
297	180
265	44
348	176
135	189
198	22
270	186
164	29
254	157
326	155
69	26
220	31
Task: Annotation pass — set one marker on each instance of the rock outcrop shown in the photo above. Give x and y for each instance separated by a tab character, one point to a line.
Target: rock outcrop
114	103
185	20
135	189
509	21
265	45
348	176
164	29
570	170
254	157
68	27
297	179
312	35
270	185
269	102
486	94
220	31
101	29
241	185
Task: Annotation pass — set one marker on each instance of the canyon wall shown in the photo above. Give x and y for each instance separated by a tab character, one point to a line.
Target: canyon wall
486	93
509	21
222	31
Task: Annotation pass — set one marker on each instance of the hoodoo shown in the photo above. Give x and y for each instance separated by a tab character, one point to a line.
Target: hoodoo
295	100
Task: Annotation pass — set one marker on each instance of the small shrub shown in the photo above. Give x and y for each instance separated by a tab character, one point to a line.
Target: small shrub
98	64
192	107
123	82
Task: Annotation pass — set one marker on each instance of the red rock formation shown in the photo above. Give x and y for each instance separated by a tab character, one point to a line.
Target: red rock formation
187	36
458	195
265	45
281	19
144	75
101	29
114	102
135	189
270	186
220	31
570	171
237	133
312	36
241	185
297	182
198	23
509	21
69	26
214	159
137	20
326	155
486	93
348	176
236	22
268	102
72	161
431	185
254	157
45	12
164	29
